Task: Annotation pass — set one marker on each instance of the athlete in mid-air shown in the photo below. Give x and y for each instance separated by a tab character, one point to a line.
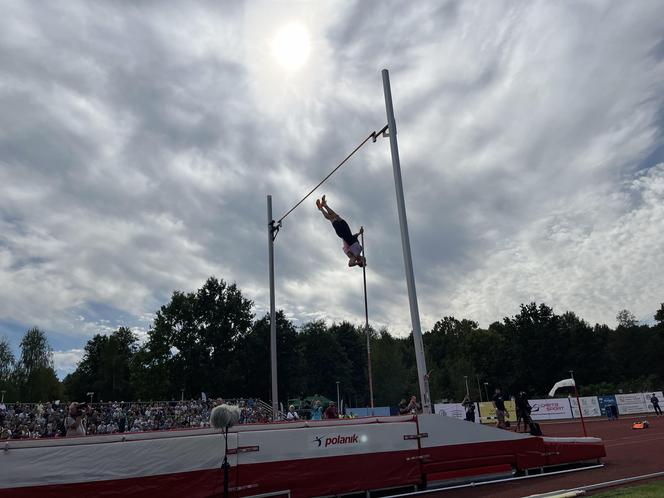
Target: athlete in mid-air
352	247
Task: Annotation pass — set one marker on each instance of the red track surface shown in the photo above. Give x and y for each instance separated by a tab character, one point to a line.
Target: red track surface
628	453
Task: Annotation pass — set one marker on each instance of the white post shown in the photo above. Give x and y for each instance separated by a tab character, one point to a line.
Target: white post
405	245
273	313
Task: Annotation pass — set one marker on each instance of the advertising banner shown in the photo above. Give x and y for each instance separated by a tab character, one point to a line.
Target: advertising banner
550	409
455	410
589	405
635	402
631	403
604	401
488	412
378	411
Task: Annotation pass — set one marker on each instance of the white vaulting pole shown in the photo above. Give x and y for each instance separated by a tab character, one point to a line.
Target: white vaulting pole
273	313
405	245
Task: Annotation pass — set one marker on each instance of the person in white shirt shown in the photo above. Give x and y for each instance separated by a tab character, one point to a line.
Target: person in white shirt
74	422
292	414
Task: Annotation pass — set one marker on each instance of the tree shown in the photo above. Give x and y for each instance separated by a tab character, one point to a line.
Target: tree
448	357
35	378
353	342
626	319
7	364
324	361
659	315
105	367
536	353
193	343
389	370
35	351
255	354
6	360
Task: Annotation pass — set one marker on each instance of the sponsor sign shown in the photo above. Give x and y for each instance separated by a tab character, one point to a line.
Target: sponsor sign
604	401
550	409
488	412
631	403
635	402
337	440
455	410
589	407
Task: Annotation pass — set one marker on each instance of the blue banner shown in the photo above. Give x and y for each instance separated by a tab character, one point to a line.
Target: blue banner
379	411
606	400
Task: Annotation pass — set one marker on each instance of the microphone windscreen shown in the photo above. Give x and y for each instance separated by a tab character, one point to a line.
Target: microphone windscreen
224	416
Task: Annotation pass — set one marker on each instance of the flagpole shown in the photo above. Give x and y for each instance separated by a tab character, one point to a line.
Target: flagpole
578	402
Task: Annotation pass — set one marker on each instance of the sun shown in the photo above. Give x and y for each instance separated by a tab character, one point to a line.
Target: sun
291	46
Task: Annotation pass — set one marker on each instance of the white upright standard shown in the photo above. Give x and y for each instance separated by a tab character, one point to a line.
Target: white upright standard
405	245
273	314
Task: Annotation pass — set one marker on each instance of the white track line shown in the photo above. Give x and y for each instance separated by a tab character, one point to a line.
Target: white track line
634	441
497	481
599	485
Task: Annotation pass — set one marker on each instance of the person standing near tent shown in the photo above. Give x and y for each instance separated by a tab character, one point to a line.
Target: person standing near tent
351	247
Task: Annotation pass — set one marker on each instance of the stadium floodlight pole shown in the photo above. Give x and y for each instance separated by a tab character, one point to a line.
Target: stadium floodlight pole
273	314
422	375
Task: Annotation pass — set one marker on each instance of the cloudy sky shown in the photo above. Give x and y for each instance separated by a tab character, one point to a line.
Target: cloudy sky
138	142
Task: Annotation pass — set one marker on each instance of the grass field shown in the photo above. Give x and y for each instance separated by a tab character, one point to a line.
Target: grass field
651	490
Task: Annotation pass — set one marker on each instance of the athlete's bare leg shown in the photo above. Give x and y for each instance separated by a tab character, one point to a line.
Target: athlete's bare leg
326	210
329	210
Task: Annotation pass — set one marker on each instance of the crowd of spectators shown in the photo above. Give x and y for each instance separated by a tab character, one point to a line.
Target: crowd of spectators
44	420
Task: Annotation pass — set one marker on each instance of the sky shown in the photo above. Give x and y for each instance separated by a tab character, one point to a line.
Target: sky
138	142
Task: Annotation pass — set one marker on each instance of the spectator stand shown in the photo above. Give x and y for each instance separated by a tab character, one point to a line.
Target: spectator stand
44	420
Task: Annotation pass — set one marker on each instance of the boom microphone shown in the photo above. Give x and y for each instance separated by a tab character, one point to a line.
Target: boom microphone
224	416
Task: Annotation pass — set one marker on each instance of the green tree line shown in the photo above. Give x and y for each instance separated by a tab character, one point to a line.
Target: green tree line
210	341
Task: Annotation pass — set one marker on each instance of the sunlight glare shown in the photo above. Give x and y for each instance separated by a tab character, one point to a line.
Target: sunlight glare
291	46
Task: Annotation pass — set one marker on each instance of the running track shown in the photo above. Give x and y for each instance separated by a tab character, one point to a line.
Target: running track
628	453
